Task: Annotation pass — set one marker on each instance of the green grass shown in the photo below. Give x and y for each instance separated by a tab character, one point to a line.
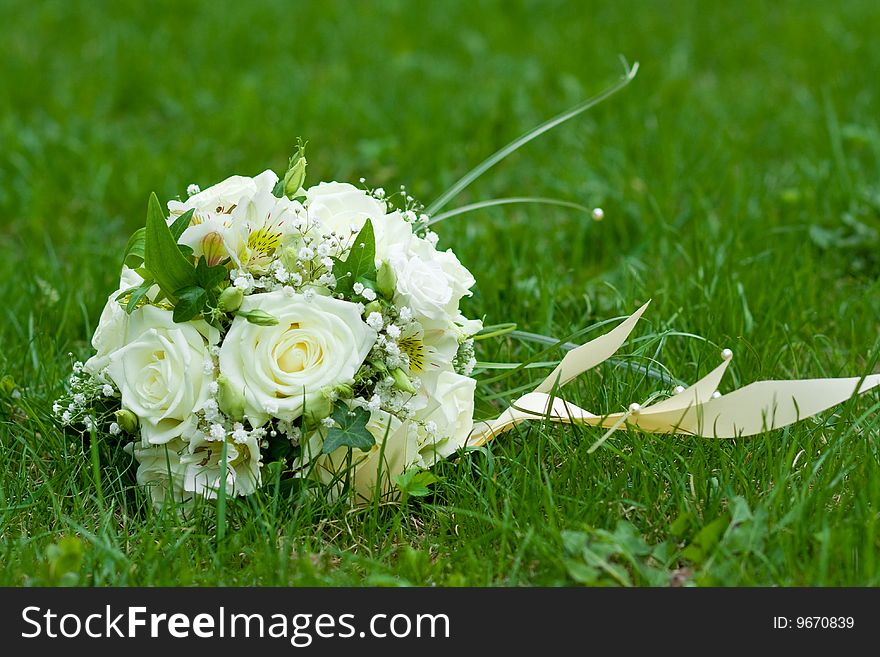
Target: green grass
740	176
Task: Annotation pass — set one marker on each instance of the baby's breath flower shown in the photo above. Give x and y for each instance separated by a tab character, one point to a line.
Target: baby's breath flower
239	435
375	321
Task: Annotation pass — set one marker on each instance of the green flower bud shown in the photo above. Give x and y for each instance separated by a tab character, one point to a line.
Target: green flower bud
295	175
372	307
402	382
379	366
126	420
341	391
386	280
230	400
318	408
230	299
259	317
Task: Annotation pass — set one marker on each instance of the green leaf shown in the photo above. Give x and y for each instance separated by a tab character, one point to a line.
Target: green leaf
360	265
415	482
350	430
181	224
134	250
209	277
135	294
706	540
162	258
190	302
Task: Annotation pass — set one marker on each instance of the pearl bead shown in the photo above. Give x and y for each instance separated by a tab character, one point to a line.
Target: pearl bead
634	409
716	395
726	354
678	390
598	214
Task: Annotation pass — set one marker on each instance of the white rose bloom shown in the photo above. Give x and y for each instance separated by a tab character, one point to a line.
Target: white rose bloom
160	471
110	332
423	287
280	369
161	372
452	412
341	208
431	283
380	465
202	466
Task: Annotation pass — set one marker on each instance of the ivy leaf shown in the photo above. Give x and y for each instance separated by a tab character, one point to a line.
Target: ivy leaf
350	430
415	482
360	265
171	270
190	302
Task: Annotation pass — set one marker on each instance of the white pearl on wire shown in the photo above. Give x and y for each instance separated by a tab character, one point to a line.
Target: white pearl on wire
716	395
678	390
635	409
726	354
598	214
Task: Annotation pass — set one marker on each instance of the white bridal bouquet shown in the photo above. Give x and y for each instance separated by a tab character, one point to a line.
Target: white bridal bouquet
319	327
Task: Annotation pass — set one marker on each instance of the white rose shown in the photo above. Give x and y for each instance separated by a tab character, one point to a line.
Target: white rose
161	372
110	332
423	287
160	471
225	195
341	208
452	413
396	450
431	282
202	466
281	369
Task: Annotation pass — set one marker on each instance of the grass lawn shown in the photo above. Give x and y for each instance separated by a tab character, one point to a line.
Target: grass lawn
740	178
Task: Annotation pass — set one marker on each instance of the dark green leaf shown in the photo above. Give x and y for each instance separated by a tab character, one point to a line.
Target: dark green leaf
350	430
190	302
181	224
162	258
415	482
135	294
209	277
360	265
134	250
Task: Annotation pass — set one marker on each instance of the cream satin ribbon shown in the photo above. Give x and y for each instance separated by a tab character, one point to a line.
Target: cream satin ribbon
696	411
